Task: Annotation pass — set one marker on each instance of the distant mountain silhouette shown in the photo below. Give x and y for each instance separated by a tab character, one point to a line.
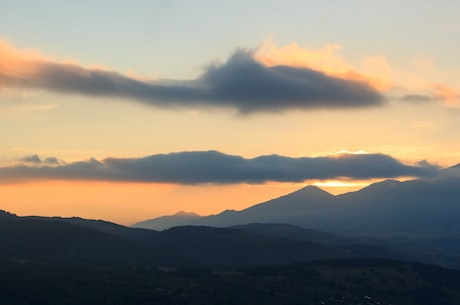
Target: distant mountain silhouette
166	222
279	210
420	218
418	206
355	247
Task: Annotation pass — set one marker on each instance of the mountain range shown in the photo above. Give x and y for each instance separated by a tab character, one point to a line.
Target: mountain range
56	239
420	217
420	206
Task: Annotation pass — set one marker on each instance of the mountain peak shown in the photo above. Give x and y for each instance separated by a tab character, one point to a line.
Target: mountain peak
185	214
313	190
381	185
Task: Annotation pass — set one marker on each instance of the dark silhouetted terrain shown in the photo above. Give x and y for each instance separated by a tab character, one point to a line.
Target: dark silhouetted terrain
348	282
78	240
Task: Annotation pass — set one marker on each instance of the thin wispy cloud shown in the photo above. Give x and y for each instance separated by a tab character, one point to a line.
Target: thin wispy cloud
242	83
213	167
437	93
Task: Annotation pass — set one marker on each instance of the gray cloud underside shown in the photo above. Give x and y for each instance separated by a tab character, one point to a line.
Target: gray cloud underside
203	167
37	160
241	83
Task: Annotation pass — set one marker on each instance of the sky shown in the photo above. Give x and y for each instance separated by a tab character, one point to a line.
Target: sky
127	111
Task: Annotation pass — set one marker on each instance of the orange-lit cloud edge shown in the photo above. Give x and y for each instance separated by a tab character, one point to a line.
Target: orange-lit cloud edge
378	73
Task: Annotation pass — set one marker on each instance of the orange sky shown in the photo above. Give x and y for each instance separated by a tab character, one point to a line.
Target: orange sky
127	203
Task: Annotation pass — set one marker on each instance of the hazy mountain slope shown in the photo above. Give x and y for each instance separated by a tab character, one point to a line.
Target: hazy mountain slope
166	222
415	206
357	247
228	247
420	217
138	235
426	206
292	232
293	208
422	206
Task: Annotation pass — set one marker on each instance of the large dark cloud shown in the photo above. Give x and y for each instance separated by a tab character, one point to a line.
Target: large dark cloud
241	83
202	167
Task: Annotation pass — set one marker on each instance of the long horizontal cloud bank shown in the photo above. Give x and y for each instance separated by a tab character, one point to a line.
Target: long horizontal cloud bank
203	167
240	83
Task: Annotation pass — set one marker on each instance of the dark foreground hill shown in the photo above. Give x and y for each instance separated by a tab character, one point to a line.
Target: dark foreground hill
207	246
41	240
292	232
77	261
345	282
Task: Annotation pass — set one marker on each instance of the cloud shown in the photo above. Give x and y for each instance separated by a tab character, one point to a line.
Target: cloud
241	83
377	71
324	59
436	93
374	70
35	159
418	98
203	167
31	159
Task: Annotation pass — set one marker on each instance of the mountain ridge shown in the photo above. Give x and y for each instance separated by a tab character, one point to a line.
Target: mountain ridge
385	205
420	216
78	240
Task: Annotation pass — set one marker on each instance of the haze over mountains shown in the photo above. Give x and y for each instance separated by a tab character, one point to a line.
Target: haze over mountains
420	218
421	206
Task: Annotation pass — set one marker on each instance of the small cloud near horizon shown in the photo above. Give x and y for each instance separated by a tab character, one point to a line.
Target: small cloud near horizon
35	159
